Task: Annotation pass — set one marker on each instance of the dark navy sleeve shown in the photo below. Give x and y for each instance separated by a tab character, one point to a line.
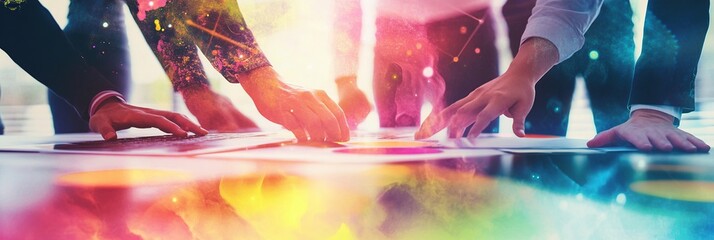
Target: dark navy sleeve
32	38
672	45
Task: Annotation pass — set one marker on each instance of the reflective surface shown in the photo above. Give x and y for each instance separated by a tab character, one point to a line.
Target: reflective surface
521	196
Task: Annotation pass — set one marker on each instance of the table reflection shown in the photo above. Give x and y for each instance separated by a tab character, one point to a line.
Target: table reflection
561	196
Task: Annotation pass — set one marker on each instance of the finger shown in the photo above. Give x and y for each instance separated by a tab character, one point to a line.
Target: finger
104	127
292	125
431	125
660	142
701	145
639	140
330	127
436	121
185	123
680	142
310	123
484	118
148	120
519	111
344	133
464	117
444	119
508	114
603	139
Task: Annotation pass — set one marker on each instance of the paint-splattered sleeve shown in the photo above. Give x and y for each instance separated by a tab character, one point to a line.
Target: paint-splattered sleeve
217	28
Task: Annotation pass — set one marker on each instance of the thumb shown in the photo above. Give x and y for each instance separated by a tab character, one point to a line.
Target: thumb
104	127
519	114
603	139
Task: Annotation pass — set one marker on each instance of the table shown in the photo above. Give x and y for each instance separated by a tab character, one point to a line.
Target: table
562	195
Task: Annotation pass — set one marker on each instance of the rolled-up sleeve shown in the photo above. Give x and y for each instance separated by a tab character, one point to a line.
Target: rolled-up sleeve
563	23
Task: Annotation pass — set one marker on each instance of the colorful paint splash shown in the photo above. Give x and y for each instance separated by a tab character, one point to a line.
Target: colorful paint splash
124	178
148	5
176	30
13	4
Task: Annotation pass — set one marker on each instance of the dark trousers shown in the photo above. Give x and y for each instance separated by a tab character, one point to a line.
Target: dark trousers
606	62
104	48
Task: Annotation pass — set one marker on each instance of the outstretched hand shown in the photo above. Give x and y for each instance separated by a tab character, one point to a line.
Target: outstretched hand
506	94
215	111
650	130
511	94
308	114
114	115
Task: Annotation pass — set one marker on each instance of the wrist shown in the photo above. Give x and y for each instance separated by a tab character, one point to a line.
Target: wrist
346	80
194	90
107	102
535	57
652	114
101	98
346	84
258	80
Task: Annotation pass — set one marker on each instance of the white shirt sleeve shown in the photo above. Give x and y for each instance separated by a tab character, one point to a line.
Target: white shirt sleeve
675	112
563	23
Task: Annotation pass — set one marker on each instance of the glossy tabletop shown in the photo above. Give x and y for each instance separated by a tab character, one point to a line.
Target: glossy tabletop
493	195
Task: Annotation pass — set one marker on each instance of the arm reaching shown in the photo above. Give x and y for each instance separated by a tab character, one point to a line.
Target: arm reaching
511	94
34	41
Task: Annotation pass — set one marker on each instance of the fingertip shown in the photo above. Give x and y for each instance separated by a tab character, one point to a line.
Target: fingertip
300	135
180	133
201	131
691	148
666	148
520	132
645	147
111	135
419	134
345	136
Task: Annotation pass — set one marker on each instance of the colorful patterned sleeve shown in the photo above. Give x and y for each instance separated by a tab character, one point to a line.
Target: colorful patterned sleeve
175	28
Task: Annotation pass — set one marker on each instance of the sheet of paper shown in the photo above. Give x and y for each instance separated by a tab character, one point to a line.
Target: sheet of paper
498	142
569	150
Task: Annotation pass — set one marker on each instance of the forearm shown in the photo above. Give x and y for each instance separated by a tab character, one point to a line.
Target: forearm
563	23
347	18
535	57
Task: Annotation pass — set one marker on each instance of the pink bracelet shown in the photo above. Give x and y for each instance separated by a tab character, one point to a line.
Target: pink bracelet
101	97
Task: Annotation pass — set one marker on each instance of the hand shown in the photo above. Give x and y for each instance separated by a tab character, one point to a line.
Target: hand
310	115
216	112
114	115
650	130
511	94
506	94
353	101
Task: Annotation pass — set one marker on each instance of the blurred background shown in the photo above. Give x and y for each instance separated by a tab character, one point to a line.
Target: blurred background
297	38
